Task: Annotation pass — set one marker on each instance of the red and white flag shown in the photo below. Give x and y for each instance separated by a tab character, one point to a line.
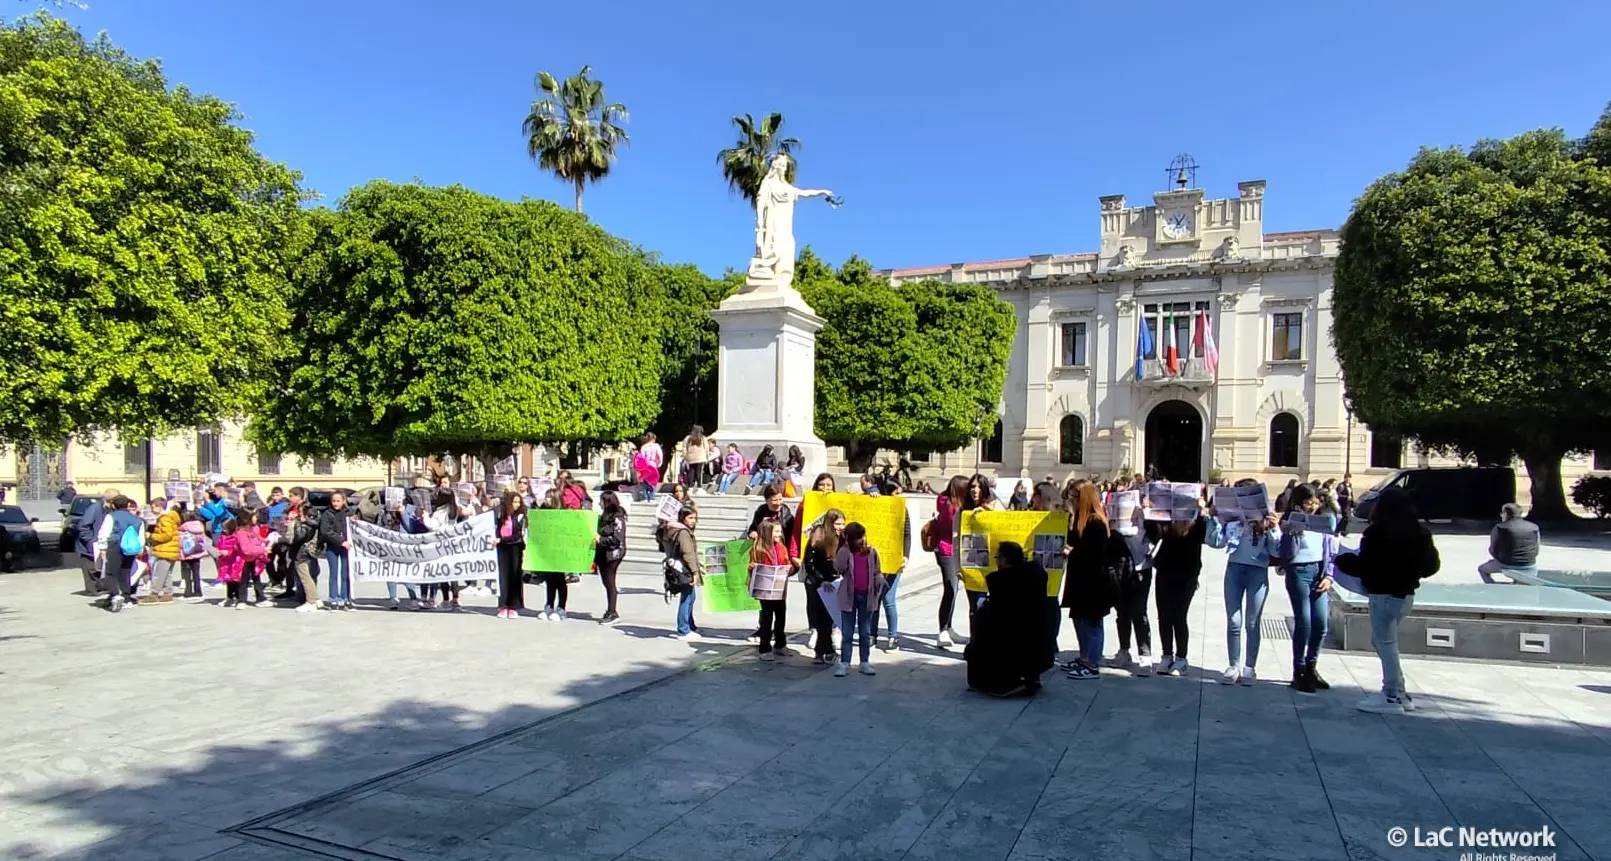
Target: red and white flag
1203	340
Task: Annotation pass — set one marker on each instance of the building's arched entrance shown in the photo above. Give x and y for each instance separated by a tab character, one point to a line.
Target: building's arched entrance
1175	442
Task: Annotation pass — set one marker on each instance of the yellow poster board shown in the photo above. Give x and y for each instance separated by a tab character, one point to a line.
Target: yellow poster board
883	516
1040	533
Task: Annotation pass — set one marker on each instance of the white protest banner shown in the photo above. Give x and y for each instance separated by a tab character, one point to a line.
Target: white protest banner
769	582
467	550
1160	500
1121	508
505	467
1184	500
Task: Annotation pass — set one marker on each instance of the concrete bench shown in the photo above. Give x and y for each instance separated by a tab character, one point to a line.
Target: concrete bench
1497	621
1595	583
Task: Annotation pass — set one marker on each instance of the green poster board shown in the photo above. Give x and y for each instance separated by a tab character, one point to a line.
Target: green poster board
727	588
560	540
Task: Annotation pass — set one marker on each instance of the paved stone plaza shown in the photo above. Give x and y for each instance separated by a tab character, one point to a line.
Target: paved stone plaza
187	732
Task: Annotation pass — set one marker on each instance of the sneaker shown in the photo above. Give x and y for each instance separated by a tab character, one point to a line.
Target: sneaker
240	606
884	644
1406	702
755	635
1081	672
842	670
867	669
1178	667
146	600
894	644
547	615
784	652
560	612
395	605
1231	674
767	656
1381	705
1248	677
1122	660
691	635
308	608
944	641
116	604
1163	665
572	578
818	660
610	619
228	604
1144	666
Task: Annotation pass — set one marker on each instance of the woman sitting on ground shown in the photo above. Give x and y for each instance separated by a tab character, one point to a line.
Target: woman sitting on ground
1011	645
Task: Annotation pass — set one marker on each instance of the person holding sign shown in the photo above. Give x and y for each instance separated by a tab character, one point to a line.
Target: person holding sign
510	528
861	585
941	534
767	556
555	581
1091	578
1306	561
817	572
1251	544
1177	563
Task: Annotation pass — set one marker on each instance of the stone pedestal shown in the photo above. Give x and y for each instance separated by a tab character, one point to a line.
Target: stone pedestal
766	371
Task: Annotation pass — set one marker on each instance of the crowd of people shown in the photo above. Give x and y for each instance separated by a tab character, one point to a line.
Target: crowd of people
284	546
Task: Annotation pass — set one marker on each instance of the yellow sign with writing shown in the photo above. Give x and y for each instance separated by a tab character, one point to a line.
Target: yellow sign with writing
1040	533
883	516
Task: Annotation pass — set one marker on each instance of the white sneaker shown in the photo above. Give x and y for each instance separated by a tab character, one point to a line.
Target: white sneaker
1381	705
1178	668
842	671
1248	676
1231	674
1122	660
684	637
1406	702
560	613
944	641
307	608
116	604
547	614
866	669
767	656
894	644
1144	666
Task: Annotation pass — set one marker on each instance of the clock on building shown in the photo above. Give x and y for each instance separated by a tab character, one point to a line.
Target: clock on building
1178	225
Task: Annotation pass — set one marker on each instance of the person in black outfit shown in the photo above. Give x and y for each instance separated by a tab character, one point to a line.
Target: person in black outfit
818	569
1090	581
1010	648
511	532
610	551
1178	564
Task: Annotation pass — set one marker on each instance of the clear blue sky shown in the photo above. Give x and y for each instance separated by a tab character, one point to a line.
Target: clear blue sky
954	131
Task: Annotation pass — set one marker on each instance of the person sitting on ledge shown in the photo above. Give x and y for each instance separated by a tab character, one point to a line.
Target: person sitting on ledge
1011	645
1512	545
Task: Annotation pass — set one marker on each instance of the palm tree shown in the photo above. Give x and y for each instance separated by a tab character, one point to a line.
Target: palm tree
572	131
745	164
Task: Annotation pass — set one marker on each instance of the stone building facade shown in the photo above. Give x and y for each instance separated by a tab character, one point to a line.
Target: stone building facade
1180	271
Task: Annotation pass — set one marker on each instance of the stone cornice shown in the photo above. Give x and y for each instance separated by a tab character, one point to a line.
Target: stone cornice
1164	273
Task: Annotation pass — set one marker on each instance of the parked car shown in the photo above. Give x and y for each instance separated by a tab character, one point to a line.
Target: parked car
319	497
70	516
1448	493
21	535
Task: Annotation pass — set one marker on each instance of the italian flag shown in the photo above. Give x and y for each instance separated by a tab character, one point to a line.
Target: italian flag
1171	355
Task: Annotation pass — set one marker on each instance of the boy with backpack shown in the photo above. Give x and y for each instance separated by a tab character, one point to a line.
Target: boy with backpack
123	534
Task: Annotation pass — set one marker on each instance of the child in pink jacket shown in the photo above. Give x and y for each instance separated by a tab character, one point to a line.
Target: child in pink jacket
230	565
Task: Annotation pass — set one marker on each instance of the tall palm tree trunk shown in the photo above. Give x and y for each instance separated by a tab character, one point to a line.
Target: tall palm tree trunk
579	182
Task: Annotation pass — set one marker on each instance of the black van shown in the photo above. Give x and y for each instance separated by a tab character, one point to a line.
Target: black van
1448	493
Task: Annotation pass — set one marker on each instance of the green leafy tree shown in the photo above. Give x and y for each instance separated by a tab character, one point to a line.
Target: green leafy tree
907	367
745	163
571	131
1472	303
440	320
143	245
689	343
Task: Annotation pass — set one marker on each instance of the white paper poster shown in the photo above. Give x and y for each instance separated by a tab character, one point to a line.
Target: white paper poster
467	550
1121	510
392	498
176	491
1241	503
670	507
769	582
1312	522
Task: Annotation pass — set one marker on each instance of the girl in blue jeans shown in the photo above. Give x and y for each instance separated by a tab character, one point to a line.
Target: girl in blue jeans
1247	584
1306	563
861	587
333	532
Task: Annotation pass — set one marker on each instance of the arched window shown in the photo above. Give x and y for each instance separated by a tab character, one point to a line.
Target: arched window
990	447
1284	440
1071	440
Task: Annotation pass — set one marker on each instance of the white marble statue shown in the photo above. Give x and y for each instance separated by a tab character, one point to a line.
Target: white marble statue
774	226
1230	250
1125	259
